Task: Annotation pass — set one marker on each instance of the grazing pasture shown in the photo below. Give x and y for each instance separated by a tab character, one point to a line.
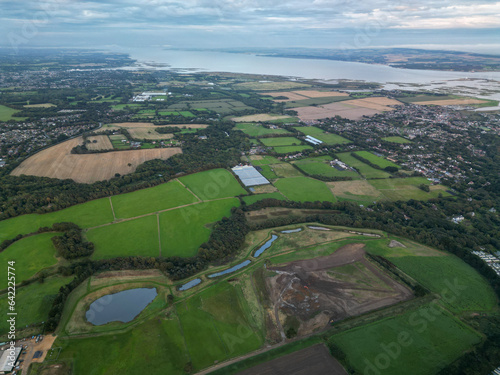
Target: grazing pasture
263	117
281	141
328	138
408	188
396	139
367	171
257	130
31	254
285	170
291	149
359	190
7	113
184	229
213	184
157	198
304	189
263	160
258	197
321	166
381	162
58	162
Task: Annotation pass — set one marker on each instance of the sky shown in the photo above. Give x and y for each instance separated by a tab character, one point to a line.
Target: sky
450	24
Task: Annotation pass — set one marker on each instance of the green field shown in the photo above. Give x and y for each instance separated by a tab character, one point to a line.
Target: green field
168	113
35	301
222	106
396	139
367	171
119	107
257	130
381	162
133	237
89	214
328	138
281	141
258	197
186	114
117	141
218	317
466	289
304	189
267	172
161	197
213	184
154	347
7	113
266	159
410	343
31	254
291	149
407	188
285	170
321	166
183	230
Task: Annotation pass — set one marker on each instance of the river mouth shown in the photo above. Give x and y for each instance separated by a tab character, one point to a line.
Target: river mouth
121	307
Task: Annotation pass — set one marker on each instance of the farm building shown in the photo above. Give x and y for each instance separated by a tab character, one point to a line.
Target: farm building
313	140
250	176
8	359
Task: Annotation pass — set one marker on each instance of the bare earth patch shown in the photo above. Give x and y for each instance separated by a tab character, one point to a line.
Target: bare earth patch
352	188
58	162
148	133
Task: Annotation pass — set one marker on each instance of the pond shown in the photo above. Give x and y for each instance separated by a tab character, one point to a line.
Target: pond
266	246
190	284
232	269
291	230
120	307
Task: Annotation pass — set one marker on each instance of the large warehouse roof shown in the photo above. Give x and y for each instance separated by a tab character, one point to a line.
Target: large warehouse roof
5	361
250	176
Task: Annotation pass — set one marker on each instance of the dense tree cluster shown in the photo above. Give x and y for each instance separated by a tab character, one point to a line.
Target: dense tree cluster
71	244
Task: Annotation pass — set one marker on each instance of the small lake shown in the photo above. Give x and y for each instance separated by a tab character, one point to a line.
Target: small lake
120	307
190	284
266	246
291	230
232	269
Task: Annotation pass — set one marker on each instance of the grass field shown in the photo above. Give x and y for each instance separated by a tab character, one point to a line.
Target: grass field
219	317
213	184
134	237
7	113
285	170
267	172
183	230
280	141
262	117
439	274
258	197
396	139
89	214
321	166
304	189
35	301
367	171
417	344
118	141
256	130
161	197
328	138
106	353
258	160
381	162
407	188
359	191
291	149
31	254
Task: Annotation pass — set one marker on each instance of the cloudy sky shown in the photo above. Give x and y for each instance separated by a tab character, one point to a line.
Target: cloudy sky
457	24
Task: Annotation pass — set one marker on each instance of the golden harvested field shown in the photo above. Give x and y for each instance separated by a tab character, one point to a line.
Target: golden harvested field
351	109
58	162
258	118
133	124
148	133
102	142
320	94
452	102
303	94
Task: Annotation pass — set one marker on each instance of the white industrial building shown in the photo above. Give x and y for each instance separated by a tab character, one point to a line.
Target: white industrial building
313	140
7	362
250	176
